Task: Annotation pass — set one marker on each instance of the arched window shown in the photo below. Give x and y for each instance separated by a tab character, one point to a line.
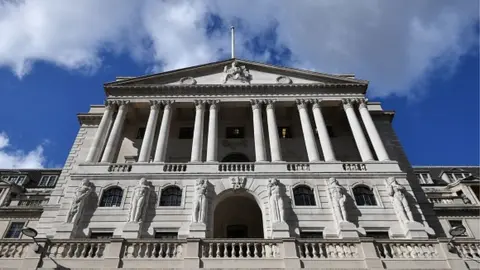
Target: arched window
364	195
112	197
171	196
303	195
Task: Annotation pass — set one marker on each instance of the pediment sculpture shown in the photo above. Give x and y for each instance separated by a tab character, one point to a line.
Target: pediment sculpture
236	73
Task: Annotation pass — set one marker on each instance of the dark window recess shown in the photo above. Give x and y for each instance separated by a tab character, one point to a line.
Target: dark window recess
309	235
464	197
15	230
331	134
476	191
235	133
455	223
303	196
166	235
101	235
112	197
237	231
140	133
364	196
185	133
378	235
171	196
285	132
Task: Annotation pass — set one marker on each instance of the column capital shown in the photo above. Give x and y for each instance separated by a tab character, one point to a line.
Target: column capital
348	103
199	104
167	104
154	104
316	103
362	102
213	104
270	103
302	103
121	103
256	103
109	104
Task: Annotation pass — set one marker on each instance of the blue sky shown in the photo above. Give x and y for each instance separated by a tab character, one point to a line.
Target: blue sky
421	59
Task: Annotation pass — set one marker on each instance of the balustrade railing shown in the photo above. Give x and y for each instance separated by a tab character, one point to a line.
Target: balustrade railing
175	167
354	167
324	249
163	249
468	249
120	167
69	249
298	167
236	167
15	248
241	248
387	249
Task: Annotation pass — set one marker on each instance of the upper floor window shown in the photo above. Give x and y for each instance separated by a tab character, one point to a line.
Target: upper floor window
455	176
424	178
112	197
47	181
171	196
14	179
235	133
285	132
140	133
364	195
185	133
15	230
303	195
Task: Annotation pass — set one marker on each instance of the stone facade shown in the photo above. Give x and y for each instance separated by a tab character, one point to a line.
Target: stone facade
241	164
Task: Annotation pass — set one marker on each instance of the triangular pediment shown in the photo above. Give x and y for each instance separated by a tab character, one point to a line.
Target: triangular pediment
237	71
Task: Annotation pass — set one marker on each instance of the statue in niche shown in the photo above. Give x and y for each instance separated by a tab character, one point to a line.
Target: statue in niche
338	199
236	73
399	201
138	207
200	202
277	212
78	201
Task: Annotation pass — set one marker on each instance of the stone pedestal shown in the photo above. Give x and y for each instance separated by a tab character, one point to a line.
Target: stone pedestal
66	231
131	230
280	230
343	230
410	230
197	230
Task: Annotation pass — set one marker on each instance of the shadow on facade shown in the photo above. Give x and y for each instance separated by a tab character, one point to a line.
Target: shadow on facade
290	217
353	213
150	211
91	205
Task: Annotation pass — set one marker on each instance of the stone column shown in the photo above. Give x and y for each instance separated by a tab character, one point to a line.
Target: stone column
357	131
162	141
323	135
114	137
212	140
260	154
146	148
310	144
372	131
197	141
102	131
275	150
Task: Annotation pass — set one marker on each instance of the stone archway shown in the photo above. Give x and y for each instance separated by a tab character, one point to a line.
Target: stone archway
238	216
235	157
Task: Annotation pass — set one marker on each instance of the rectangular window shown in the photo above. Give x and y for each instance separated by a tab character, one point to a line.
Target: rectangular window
235	133
310	235
458	176
377	235
185	133
166	235
424	178
140	133
15	230
48	181
454	223
101	235
285	132
476	191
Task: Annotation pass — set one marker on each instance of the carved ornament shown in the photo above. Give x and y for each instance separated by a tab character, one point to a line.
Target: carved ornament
284	80
238	182
236	73
188	81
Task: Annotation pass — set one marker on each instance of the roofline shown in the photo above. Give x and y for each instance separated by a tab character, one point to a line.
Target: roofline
445	166
31	169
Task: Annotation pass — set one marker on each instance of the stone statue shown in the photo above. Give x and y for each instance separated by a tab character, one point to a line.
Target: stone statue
78	201
399	201
338	199
236	73
200	202
275	200
138	207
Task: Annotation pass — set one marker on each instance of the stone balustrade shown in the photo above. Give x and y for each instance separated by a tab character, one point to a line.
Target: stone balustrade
236	167
120	167
237	253
298	167
178	167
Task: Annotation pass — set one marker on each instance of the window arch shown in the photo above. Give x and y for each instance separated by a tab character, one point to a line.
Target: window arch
171	196
364	195
303	196
112	197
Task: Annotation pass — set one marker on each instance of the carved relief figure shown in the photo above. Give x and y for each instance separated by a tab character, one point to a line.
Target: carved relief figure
277	212
200	202
399	201
138	207
236	73
338	199
78	201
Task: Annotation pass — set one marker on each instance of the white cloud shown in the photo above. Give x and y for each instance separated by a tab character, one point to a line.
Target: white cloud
394	44
14	158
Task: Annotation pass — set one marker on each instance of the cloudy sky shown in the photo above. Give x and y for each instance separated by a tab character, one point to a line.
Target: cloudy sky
421	58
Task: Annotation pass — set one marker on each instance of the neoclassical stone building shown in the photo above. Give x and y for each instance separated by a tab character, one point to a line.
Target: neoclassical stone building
242	164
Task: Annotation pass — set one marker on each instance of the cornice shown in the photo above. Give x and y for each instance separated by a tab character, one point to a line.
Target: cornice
89	119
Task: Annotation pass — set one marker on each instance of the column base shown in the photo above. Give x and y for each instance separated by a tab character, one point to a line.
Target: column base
131	230
343	230
197	230
66	231
280	230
